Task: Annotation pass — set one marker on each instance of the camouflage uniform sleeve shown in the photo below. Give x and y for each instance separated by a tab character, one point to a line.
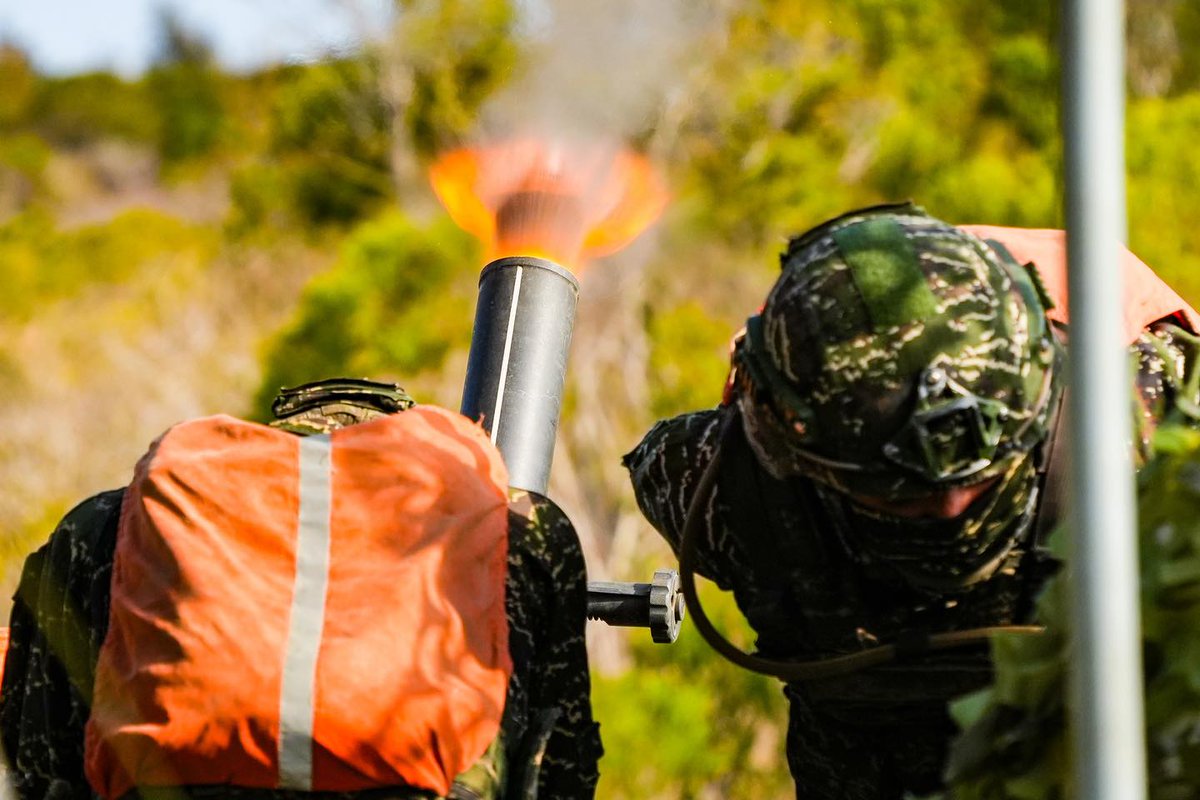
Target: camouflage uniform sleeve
59	618
1166	361
547	615
665	468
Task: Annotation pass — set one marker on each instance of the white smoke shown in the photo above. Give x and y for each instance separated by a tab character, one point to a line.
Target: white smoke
597	69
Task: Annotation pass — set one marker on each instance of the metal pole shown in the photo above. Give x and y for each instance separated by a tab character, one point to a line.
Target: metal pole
1107	687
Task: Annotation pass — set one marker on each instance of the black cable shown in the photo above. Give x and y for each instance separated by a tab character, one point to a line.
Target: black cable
796	670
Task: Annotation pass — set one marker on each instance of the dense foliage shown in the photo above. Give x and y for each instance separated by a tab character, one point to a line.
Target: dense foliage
187	241
1016	741
398	300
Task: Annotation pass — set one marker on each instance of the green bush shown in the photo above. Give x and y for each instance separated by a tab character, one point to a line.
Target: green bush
459	53
25	153
331	139
396	303
40	263
20	83
191	116
688	359
23	159
258	200
1023	88
686	723
1163	174
74	110
1016	742
997	185
811	109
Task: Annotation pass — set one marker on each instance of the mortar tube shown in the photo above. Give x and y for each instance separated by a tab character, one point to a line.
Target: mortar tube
518	362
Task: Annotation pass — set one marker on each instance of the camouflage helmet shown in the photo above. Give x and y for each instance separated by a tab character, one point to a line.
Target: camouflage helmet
896	355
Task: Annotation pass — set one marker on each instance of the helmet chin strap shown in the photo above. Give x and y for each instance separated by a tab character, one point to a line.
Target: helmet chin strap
813	669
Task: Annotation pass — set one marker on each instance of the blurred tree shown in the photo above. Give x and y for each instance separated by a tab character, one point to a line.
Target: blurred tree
19	82
330	134
346	134
455	54
23	159
185	87
809	109
79	109
398	300
1152	46
177	44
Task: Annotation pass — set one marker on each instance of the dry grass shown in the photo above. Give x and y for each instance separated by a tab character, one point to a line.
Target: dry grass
88	383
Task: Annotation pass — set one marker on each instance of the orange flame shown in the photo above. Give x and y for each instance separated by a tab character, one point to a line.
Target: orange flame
535	198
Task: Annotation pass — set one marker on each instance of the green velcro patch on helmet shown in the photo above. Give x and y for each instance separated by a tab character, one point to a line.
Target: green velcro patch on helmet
886	272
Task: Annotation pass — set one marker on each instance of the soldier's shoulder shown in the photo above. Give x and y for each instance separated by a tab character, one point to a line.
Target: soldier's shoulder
535	515
683	436
89	519
83	542
101	504
540	530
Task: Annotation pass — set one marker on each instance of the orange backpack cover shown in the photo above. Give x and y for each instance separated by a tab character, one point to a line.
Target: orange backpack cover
1147	298
322	613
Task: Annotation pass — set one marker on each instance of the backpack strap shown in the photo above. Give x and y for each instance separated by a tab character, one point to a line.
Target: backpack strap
1052	471
759	495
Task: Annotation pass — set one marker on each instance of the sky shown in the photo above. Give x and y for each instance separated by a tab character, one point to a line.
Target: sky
68	36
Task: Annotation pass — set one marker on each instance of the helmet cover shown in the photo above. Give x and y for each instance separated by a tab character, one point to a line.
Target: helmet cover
326	405
897	355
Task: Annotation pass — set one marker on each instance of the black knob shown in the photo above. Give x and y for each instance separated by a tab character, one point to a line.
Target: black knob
657	605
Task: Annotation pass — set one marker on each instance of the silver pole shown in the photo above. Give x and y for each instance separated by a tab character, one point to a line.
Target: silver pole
1110	759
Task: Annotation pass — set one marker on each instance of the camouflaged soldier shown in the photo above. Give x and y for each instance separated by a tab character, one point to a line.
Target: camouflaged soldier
549	745
885	447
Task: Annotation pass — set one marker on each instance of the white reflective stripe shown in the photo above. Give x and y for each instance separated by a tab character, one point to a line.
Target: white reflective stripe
508	338
307	615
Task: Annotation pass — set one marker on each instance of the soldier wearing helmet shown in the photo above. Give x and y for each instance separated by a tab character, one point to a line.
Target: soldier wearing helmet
881	489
